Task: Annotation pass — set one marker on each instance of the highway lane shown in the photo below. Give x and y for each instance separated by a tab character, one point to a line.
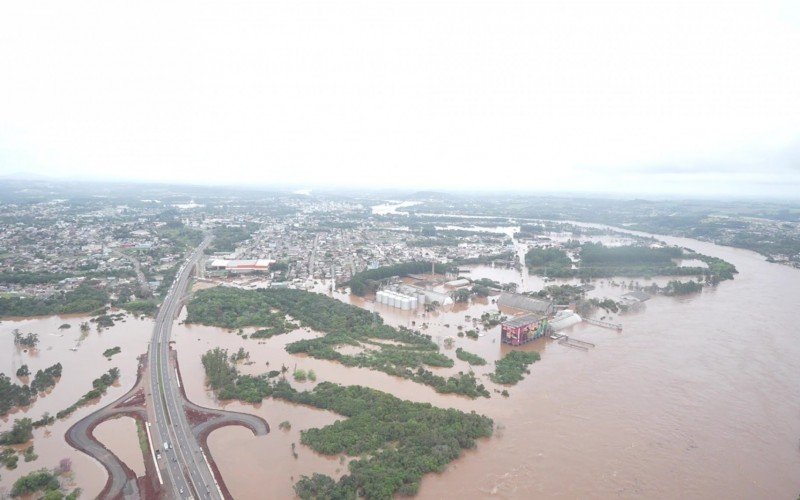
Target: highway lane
186	470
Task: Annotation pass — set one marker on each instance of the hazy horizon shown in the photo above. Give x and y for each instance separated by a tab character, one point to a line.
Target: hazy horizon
663	99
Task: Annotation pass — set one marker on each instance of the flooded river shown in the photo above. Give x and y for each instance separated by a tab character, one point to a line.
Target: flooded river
697	397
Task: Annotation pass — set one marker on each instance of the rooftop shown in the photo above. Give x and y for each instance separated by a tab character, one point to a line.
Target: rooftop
524	303
527	319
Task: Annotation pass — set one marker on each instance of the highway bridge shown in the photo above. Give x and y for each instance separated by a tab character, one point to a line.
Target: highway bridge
182	463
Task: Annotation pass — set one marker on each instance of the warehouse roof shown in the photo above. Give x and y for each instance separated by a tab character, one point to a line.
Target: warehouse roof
524	303
527	319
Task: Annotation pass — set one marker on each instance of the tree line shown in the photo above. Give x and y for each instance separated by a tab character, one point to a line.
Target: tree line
84	299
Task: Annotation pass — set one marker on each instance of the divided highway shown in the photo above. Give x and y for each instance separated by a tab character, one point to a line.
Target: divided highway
182	464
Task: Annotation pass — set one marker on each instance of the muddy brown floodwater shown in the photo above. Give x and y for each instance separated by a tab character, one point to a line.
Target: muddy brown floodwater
696	398
120	436
80	367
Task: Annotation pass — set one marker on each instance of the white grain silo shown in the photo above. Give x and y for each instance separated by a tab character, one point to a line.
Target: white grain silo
405	303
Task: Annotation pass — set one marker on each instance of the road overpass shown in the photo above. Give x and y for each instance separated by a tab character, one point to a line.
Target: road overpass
181	468
182	463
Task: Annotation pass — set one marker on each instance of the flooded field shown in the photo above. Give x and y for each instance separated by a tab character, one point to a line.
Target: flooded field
696	397
80	367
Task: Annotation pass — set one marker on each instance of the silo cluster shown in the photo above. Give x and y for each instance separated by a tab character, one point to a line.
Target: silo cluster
396	299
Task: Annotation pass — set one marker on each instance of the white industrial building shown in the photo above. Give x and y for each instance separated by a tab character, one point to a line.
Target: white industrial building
238	266
564	319
398	300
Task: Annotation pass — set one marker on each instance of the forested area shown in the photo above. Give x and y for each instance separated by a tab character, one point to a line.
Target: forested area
549	261
767	239
84	299
235	308
396	441
511	368
599	261
182	236
227	237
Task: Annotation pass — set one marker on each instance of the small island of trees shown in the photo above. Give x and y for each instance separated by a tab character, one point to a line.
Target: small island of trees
397	441
510	369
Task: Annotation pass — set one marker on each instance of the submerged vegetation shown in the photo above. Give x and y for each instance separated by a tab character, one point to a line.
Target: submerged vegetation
343	324
472	359
395	442
99	385
227	237
29	340
510	369
14	396
112	351
682	288
44	481
21	432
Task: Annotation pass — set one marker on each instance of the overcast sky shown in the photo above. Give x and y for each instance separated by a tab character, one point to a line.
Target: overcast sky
634	97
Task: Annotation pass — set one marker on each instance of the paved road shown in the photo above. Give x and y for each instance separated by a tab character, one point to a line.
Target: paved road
185	472
121	480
